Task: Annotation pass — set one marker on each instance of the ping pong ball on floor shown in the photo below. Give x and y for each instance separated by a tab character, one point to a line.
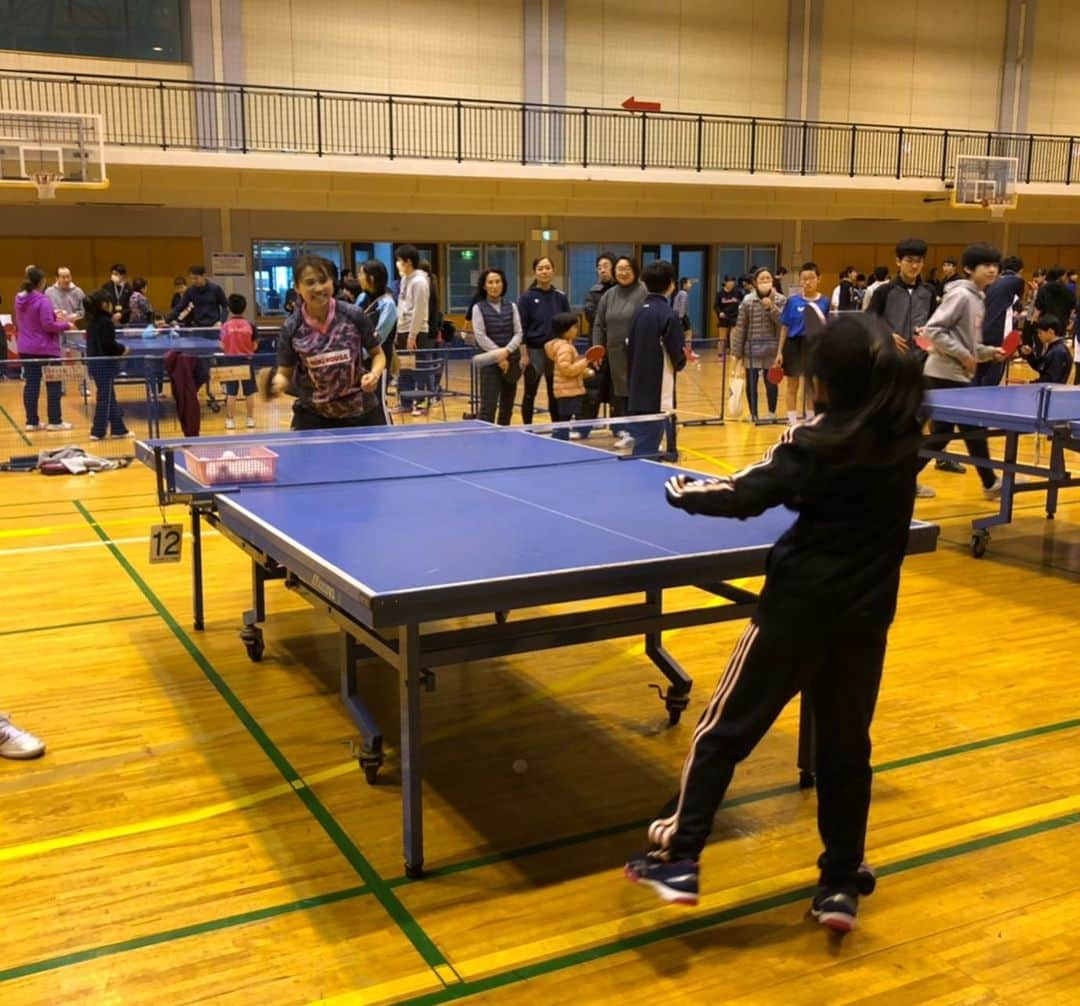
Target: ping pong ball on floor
521	766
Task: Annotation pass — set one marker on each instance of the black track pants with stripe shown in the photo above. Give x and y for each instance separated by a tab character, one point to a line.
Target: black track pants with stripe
840	674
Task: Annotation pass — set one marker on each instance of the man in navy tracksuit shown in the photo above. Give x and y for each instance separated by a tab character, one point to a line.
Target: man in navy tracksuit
536	307
1001	296
655	350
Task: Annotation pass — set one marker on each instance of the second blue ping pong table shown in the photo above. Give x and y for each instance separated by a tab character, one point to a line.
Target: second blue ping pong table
1009	412
536	521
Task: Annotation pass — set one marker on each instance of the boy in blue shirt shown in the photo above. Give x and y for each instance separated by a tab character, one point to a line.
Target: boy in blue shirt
1054	362
804	315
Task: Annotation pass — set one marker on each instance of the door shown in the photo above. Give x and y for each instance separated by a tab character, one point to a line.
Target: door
690	262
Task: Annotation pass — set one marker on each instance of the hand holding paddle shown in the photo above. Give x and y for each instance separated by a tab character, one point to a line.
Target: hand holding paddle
775	374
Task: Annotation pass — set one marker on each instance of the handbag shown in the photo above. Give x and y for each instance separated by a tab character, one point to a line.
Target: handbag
736	395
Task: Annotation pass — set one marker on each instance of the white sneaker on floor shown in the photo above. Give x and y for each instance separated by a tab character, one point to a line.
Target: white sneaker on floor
625	440
251	424
18	744
924	492
92	437
994	491
59	426
33	427
230	424
574	435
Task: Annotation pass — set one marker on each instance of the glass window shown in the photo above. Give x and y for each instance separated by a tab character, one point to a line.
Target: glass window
135	29
581	268
466	262
272	264
734	260
463	272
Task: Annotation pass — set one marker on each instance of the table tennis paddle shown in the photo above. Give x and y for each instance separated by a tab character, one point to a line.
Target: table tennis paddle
595	354
1011	343
775	375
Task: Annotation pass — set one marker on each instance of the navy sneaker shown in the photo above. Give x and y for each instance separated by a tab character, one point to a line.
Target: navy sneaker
675	882
835	909
865	879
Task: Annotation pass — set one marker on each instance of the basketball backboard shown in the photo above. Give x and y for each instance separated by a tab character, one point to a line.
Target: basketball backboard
985	183
50	150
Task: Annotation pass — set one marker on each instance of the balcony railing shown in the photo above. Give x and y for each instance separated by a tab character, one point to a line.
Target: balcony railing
237	118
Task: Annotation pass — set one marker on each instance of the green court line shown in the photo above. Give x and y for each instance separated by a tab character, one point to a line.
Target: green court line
515	976
15	427
540	847
170	935
77	625
746	798
393	906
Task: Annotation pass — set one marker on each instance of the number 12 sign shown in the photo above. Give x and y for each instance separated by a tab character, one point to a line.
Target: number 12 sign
166	541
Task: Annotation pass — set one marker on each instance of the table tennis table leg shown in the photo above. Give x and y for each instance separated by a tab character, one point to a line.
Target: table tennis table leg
806	761
677	697
1057	470
411	752
196	568
370	756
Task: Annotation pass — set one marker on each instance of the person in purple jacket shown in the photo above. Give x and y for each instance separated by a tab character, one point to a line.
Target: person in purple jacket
39	343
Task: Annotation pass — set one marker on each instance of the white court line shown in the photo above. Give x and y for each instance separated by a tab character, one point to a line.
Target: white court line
29	550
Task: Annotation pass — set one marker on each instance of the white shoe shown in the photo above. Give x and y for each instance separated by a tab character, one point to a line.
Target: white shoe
33	427
994	491
574	435
251	424
59	426
924	492
230	424
18	744
92	437
625	440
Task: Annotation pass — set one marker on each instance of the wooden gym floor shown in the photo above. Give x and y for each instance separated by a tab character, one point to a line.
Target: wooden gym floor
198	831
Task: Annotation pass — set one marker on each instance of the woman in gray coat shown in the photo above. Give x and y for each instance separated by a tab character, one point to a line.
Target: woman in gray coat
755	339
611	328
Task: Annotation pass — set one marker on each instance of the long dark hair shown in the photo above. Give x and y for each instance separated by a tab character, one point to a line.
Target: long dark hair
99	302
376	273
875	392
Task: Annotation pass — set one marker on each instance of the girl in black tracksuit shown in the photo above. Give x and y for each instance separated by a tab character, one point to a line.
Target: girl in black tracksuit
823	619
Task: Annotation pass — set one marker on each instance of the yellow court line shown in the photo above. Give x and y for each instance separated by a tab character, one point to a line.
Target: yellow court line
194	816
707	457
31	532
385	992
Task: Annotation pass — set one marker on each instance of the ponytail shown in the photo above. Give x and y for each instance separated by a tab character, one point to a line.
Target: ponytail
874	391
32	280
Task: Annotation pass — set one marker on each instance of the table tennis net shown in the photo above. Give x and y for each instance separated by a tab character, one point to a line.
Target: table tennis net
403	452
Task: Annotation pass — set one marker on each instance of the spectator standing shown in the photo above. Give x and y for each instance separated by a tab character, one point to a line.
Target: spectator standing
140	311
498	331
103	353
536	307
119	291
728	299
38	344
203	304
413	322
179	287
1003	299
66	298
614	317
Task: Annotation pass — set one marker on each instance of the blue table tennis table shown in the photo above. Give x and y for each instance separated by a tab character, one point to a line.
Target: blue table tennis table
536	522
1010	412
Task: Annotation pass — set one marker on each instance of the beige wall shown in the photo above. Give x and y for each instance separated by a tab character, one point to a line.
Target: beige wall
725	58
920	63
1054	74
17	60
468	49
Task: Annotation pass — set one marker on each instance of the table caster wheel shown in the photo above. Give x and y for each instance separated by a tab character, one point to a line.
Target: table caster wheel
370	763
979	541
252	638
673	716
806	780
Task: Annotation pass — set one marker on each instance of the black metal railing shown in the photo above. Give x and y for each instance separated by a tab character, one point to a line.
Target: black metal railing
187	115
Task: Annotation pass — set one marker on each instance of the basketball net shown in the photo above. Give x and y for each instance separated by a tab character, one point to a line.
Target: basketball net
46	182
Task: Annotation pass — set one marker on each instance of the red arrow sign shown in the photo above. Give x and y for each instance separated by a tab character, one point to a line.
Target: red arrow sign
633	105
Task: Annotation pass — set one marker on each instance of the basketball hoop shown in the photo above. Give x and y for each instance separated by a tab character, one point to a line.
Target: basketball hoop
997	210
46	182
